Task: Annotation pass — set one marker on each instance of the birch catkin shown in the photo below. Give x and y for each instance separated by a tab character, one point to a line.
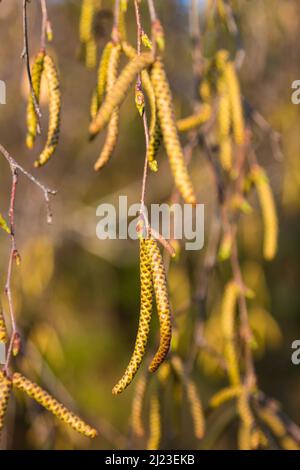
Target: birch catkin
5	389
228	325
155	424
162	303
196	120
170	134
144	322
118	92
103	70
3	331
54	111
51	404
36	75
137	407
233	85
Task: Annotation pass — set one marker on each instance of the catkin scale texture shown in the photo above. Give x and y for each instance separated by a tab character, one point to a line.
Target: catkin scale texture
36	76
170	134
144	322
51	404
5	389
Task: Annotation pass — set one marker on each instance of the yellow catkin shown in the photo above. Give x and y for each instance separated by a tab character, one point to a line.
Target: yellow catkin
36	75
248	439
268	209
51	404
170	134
145	318
5	389
288	443
86	20
233	85
3	330
91	53
102	71
154	424
272	420
228	326
113	125
137	407
224	123
94	106
118	93
54	111
195	120
162	303
224	395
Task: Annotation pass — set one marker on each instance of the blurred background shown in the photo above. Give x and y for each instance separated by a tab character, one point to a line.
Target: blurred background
77	298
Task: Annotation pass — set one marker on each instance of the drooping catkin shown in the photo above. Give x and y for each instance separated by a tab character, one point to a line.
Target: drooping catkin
54	111
51	404
3	330
154	424
91	53
224	395
195	120
273	421
118	92
144	322
86	31
228	326
113	125
268	209
5	389
137	407
170	134
103	71
224	124
36	75
234	92
247	438
162	303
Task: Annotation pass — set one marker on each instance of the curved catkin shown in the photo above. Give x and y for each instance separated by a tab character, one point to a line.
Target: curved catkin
224	395
234	92
272	420
36	75
113	125
170	134
247	421
54	111
224	123
268	209
162	303
3	330
154	424
228	326
51	404
195	120
144	322
137	407
118	93
5	389
103	70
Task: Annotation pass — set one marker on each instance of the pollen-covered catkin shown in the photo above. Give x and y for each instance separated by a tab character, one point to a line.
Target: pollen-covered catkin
3	331
268	209
162	303
144	322
54	111
36	75
86	31
5	389
195	120
137	407
113	125
103	70
154	424
51	404
234	92
228	326
118	92
170	134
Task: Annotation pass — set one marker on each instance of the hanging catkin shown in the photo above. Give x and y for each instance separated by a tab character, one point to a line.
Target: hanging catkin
118	92
268	209
196	120
5	389
113	125
145	318
103	71
228	325
170	134
3	331
224	395
54	111
86	31
137	407
224	124
51	404
234	92
162	303
36	75
154	424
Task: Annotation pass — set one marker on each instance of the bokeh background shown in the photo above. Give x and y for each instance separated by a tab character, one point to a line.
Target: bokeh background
77	298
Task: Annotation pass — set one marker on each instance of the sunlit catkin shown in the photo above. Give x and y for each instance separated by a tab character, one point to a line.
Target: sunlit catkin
86	20
3	331
234	92
5	389
137	407
195	120
170	134
36	75
247	422
162	303
268	209
154	424
118	92
224	122
54	111
225	395
113	125
103	70
51	404
228	326
145	318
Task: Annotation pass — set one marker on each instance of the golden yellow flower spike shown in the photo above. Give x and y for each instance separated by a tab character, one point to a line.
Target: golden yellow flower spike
86	20
170	134
248	436
3	331
224	124
195	120
91	53
268	209
36	75
54	111
113	126
137	407
51	404
233	85
162	303
228	324
154	424
5	390
224	395
102	71
144	322
118	92
94	106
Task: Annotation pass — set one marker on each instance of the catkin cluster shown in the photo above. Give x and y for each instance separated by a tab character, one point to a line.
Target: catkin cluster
89	9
